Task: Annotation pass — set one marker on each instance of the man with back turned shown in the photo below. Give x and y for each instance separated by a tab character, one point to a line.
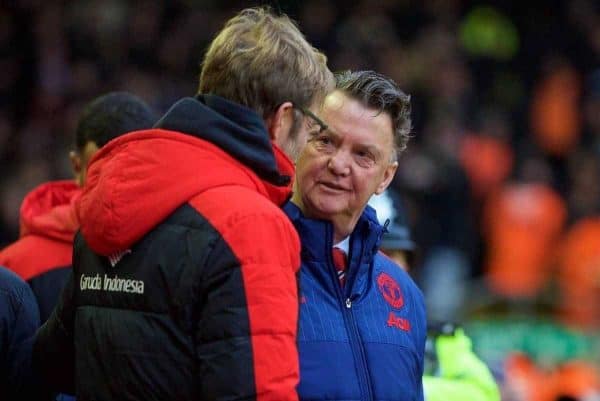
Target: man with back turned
184	270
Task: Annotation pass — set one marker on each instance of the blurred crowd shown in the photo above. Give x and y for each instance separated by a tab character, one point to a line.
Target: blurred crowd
501	180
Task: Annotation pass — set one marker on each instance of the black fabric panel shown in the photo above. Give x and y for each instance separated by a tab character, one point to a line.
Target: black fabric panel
53	351
223	334
169	342
47	288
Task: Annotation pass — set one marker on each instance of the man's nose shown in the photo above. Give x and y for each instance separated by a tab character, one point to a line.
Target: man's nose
339	163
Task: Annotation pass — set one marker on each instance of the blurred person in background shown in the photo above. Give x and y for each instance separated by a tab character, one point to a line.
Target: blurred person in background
434	181
43	253
453	372
397	242
362	319
522	222
19	319
184	272
555	118
459	373
578	274
573	380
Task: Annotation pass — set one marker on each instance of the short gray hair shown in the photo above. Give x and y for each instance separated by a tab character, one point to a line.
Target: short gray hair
379	92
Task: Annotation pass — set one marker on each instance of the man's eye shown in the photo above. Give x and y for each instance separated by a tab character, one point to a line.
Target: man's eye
365	159
364	154
322	143
319	139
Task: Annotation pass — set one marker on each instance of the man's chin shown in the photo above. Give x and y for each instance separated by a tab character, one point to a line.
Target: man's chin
326	211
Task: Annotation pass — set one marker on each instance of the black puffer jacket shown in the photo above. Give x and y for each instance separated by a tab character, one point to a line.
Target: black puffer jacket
184	272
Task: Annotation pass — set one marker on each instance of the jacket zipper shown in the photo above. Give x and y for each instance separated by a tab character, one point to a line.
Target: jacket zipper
357	350
356	345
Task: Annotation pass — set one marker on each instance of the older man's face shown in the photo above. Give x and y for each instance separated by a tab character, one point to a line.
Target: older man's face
340	168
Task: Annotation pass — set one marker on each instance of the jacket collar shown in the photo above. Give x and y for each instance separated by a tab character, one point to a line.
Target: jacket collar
317	240
236	129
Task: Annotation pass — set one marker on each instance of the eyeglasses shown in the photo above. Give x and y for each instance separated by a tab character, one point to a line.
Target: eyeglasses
313	116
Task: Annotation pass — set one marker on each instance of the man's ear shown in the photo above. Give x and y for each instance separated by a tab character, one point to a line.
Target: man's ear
76	164
280	122
388	176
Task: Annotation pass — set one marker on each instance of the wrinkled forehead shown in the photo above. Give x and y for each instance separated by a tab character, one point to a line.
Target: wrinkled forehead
348	116
339	103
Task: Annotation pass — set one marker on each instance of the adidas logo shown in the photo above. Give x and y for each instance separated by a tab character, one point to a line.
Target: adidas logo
117	256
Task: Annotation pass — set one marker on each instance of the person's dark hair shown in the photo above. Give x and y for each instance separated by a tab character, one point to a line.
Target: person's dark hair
381	93
110	116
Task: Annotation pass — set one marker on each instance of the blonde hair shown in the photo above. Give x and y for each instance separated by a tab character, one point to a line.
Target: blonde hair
262	60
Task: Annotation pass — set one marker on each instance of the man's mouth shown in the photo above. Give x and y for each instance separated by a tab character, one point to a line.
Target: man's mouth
333	186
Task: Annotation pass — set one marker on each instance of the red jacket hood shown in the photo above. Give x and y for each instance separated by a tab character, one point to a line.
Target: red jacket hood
137	180
49	211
